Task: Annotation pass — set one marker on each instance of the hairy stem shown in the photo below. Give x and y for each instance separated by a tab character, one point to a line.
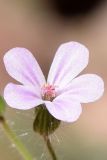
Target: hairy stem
12	136
50	148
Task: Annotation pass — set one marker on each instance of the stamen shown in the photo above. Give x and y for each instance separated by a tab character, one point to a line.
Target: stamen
48	92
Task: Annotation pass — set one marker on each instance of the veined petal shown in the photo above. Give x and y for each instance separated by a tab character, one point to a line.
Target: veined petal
64	108
22	66
70	59
21	97
86	88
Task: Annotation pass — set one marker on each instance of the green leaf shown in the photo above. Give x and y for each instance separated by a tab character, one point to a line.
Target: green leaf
2	106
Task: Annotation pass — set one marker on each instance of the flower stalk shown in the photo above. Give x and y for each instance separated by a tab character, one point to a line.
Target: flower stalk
12	136
50	148
45	124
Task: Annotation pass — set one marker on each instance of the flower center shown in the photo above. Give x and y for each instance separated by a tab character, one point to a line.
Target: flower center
48	92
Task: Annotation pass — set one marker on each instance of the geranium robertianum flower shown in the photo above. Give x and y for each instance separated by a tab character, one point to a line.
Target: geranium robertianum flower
62	93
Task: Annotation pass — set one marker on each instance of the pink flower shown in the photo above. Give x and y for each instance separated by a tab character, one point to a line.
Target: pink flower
62	93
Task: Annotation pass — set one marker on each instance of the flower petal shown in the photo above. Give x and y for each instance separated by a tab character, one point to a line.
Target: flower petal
86	88
70	59
22	66
64	108
21	97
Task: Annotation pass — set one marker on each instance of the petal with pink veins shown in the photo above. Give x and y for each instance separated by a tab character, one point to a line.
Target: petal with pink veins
85	88
64	108
70	59
22	97
22	66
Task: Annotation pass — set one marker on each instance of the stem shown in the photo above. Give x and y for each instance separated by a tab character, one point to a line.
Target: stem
12	136
50	148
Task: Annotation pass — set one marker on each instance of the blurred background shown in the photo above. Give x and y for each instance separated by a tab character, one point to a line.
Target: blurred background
41	26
